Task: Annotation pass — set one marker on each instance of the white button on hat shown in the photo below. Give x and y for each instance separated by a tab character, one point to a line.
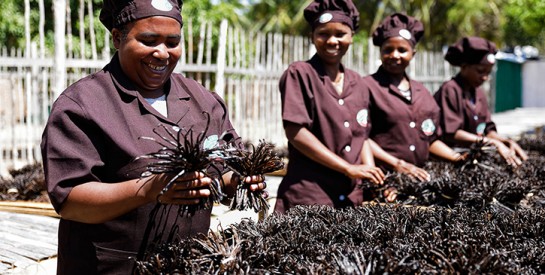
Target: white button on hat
347	148
346	124
475	117
412	148
412	124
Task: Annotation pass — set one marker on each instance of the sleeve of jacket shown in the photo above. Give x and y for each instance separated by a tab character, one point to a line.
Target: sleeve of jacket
297	99
451	117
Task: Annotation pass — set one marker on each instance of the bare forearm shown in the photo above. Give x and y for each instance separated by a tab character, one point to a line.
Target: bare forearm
382	155
310	146
441	150
494	135
465	137
367	153
97	202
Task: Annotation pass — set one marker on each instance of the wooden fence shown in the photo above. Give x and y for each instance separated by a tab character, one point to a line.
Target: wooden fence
243	67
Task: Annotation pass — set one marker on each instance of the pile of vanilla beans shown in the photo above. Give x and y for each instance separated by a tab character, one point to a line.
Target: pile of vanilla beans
479	216
375	239
24	184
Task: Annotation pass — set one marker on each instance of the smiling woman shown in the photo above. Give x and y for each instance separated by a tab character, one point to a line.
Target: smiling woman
404	115
110	209
325	117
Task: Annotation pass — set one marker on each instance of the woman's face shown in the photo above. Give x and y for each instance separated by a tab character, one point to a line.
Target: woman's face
148	50
396	54
475	75
332	41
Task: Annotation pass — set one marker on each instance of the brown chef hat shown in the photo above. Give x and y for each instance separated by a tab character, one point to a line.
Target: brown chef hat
471	50
398	24
116	13
324	11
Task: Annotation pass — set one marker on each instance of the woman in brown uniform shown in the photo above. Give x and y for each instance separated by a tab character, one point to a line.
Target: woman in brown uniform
93	136
465	117
325	117
404	115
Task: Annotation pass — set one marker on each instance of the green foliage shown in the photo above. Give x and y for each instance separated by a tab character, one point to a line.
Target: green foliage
475	17
285	16
198	10
444	21
525	23
12	28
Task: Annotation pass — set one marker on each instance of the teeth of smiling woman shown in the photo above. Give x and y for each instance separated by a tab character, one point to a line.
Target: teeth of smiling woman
157	68
332	51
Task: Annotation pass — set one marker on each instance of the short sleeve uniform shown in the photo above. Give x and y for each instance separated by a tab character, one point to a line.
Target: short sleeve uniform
461	110
340	122
403	128
93	134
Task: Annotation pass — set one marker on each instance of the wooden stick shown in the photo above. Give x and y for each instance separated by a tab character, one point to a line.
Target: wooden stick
35	208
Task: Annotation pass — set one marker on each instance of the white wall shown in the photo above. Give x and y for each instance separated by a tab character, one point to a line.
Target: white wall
533	83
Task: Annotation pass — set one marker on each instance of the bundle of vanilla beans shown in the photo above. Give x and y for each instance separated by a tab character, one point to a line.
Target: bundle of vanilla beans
185	151
252	160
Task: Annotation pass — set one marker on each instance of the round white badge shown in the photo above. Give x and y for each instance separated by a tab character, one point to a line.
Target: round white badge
362	117
480	128
162	5
405	34
491	58
326	17
210	142
428	127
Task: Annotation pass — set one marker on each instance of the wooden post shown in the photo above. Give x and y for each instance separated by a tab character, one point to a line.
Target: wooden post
220	62
106	50
33	91
27	28
41	28
59	11
92	29
371	56
81	14
69	30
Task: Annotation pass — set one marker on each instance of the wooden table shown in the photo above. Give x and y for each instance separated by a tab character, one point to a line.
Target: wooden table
26	239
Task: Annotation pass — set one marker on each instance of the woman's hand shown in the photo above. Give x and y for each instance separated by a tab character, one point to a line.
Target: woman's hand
390	194
188	189
256	182
459	157
412	170
515	149
362	171
506	153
